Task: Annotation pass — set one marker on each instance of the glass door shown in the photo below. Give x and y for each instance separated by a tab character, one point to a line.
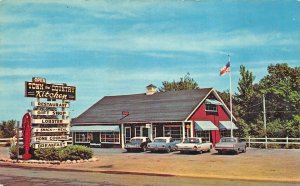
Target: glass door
127	134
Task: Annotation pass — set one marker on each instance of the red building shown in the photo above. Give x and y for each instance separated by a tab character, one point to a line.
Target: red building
179	114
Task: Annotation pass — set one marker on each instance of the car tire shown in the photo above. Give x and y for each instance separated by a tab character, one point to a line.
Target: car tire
200	152
181	152
168	149
244	150
144	148
219	151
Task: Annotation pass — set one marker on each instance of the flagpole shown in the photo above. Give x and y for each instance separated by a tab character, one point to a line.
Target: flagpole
231	131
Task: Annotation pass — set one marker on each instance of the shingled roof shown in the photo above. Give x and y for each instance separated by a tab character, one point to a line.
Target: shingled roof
159	107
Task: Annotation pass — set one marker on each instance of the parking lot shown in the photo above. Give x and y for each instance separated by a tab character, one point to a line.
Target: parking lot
255	164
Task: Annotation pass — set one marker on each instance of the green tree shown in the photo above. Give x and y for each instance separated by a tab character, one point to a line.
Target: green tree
282	89
185	83
246	97
7	128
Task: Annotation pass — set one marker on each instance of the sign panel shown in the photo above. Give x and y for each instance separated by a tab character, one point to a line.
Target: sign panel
148	126
50	129
50	138
49	91
49	104
49	145
49	113
51	121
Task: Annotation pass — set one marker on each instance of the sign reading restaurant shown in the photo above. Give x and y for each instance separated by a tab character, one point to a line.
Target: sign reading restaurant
50	119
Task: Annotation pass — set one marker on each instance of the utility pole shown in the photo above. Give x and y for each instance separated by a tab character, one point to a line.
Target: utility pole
265	120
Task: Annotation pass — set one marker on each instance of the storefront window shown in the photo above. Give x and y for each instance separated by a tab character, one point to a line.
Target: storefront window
205	135
173	131
137	131
225	133
81	137
110	137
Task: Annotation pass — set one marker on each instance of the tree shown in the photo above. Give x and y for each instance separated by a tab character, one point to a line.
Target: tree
185	83
282	89
247	97
7	128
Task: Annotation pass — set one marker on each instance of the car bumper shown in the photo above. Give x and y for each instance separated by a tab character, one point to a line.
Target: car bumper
157	148
188	149
226	149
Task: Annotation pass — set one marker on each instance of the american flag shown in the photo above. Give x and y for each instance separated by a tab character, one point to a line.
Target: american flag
225	69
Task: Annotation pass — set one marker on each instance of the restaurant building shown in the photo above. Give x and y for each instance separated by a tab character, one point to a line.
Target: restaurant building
114	120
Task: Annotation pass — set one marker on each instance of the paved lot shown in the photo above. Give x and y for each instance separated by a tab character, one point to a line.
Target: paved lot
256	164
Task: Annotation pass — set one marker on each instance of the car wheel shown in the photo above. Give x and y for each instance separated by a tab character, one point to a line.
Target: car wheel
181	152
244	150
144	148
168	149
200	152
219	151
237	152
128	150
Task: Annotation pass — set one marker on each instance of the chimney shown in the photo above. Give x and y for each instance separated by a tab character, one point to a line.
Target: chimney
151	89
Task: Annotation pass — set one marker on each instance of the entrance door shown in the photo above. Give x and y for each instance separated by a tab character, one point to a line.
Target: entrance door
127	134
145	132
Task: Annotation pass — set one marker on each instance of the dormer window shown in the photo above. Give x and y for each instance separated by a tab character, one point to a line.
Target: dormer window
211	108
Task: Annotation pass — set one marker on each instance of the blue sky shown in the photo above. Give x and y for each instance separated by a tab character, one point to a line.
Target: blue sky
120	47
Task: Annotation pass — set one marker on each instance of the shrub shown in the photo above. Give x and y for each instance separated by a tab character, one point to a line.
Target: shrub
75	152
46	154
13	151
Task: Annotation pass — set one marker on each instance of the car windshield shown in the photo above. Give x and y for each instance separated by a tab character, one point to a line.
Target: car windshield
191	140
228	140
160	140
136	140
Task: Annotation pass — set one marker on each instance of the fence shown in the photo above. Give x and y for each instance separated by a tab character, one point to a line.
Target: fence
5	141
280	141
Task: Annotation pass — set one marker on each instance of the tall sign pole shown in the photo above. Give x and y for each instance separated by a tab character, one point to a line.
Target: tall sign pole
18	126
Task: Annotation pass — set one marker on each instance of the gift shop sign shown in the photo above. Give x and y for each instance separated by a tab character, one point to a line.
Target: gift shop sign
49	91
49	113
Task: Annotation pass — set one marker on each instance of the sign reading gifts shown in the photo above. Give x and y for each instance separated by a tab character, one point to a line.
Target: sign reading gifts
49	91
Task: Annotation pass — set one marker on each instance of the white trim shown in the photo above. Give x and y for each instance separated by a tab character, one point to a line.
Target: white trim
219	98
196	108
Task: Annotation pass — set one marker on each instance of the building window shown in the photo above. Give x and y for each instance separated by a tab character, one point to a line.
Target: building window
205	135
225	133
81	137
137	131
211	108
110	137
173	131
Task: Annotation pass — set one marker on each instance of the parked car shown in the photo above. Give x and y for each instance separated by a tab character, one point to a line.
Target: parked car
137	144
194	144
167	144
231	144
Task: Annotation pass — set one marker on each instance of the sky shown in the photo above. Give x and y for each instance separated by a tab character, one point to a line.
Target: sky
107	48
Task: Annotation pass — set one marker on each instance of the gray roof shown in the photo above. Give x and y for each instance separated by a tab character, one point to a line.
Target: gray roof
159	107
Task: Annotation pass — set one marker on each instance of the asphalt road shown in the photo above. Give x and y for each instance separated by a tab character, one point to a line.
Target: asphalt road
36	177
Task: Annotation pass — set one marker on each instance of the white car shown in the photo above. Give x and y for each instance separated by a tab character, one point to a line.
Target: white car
194	144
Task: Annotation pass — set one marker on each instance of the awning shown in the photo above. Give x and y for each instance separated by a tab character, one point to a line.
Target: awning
226	125
205	125
96	128
213	102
